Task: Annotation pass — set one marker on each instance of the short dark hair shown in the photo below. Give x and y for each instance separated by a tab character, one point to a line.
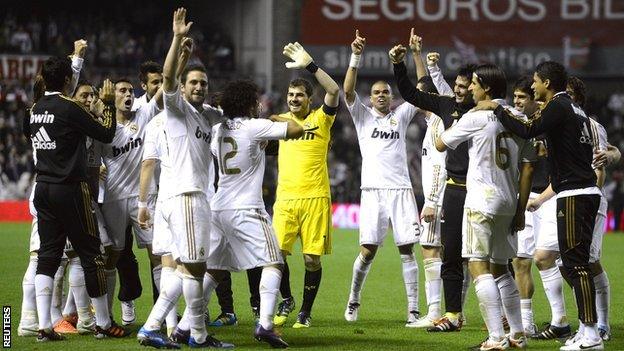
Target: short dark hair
493	77
466	71
301	82
191	68
578	87
238	98
55	71
83	82
428	86
148	67
555	72
524	85
122	80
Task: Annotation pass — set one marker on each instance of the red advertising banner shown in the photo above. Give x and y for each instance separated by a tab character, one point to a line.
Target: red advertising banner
20	67
14	211
486	23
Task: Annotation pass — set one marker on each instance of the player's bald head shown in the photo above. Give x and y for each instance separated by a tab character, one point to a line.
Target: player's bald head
381	85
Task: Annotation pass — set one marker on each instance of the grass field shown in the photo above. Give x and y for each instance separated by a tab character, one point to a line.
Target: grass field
381	319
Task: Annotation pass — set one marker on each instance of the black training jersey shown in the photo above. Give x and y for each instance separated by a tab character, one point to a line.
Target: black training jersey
569	140
449	111
57	127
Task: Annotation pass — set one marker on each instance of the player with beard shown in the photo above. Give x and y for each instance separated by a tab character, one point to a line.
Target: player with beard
303	205
449	109
150	76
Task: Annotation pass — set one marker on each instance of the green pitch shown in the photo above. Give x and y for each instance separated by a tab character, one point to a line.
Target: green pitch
381	319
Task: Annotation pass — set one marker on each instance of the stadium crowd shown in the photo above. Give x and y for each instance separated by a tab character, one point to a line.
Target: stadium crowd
344	160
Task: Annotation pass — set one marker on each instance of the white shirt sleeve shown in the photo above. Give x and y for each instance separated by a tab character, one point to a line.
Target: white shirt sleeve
461	131
214	142
406	112
264	129
150	146
176	114
357	109
438	164
148	110
438	80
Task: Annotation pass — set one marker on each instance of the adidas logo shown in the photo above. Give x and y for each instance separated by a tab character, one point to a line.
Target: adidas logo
42	140
560	214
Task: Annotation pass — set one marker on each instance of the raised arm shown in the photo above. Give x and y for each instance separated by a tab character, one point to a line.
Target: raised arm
101	129
180	29
436	75
77	59
357	47
301	59
415	44
426	101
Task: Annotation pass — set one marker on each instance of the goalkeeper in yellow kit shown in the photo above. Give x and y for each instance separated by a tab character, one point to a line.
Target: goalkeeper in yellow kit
303	204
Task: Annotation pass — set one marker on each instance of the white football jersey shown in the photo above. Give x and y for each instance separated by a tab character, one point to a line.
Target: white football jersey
433	162
140	101
382	144
188	135
494	155
123	155
155	148
238	144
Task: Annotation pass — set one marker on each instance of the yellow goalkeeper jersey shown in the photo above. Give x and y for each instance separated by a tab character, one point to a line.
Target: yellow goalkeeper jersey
302	163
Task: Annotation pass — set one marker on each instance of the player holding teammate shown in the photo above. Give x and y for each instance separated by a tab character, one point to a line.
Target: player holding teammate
387	193
570	151
303	205
242	229
493	207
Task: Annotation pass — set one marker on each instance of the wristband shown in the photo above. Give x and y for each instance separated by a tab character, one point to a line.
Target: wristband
355	60
312	67
142	204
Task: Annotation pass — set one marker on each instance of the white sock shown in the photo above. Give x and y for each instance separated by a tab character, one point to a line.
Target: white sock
361	266
410	278
70	304
269	288
170	291
603	295
489	303
526	309
43	287
208	286
193	294
156	273
102	314
591	331
78	288
433	286
172	317
465	285
28	317
57	293
581	329
111	284
510	299
184	323
553	287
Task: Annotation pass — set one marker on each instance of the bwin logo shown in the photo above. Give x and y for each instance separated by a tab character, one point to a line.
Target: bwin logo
132	144
385	135
199	134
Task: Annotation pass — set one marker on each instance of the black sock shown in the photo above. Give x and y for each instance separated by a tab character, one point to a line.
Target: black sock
310	288
285	283
253	278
